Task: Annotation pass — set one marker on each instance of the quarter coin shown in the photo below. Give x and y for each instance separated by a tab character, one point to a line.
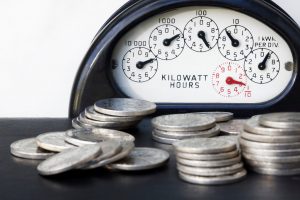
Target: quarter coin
27	148
141	159
289	120
183	122
125	107
163	140
275	159
53	141
212	163
219	116
208	157
269	146
234	126
269	139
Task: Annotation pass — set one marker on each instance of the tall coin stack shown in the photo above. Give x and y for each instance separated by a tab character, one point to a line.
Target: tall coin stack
114	113
270	144
171	128
209	161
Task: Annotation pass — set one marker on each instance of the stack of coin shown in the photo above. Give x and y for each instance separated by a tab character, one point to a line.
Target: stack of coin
209	161
270	144
171	128
87	149
115	113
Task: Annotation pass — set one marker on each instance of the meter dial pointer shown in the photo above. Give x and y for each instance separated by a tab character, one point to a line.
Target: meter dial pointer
201	35
167	42
141	64
234	42
231	81
262	65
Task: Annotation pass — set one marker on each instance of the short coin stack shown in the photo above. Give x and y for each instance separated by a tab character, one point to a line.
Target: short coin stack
114	113
209	161
171	128
270	144
87	149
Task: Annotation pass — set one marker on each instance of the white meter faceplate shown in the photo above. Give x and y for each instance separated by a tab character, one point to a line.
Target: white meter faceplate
202	55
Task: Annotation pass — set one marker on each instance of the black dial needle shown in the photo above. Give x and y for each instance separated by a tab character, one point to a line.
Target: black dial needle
167	42
262	65
234	42
141	64
201	35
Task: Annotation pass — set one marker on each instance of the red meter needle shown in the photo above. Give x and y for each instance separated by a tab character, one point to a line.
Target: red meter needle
231	81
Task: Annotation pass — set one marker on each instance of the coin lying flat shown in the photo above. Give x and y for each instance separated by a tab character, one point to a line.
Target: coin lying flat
286	166
217	180
127	147
142	159
234	126
161	139
207	172
69	159
275	159
252	125
270	139
188	134
27	148
204	145
219	116
183	122
212	163
287	120
124	107
208	157
92	114
270	146
91	136
285	152
276	172
53	141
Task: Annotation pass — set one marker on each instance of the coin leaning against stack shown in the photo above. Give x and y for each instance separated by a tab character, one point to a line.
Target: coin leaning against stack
87	149
270	144
209	161
114	113
171	128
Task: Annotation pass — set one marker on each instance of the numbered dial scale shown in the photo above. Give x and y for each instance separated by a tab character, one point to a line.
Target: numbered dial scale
194	54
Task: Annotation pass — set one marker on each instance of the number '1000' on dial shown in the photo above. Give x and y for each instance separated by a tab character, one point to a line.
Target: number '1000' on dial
139	64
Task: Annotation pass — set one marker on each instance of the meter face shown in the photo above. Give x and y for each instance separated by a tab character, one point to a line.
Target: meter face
202	55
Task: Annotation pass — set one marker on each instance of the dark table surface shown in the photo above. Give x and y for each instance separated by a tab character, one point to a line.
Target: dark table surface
20	180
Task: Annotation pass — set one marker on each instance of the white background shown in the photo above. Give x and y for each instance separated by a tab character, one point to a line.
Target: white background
41	46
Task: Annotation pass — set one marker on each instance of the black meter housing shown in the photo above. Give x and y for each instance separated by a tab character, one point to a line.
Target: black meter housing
93	81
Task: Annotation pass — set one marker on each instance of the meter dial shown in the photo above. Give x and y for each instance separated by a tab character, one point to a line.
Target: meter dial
139	64
262	66
235	42
166	42
201	34
229	79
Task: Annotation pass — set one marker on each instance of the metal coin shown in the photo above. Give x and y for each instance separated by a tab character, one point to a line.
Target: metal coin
252	125
272	165
234	126
79	125
270	139
217	180
125	107
53	141
188	134
142	159
271	146
183	122
219	116
208	157
127	147
205	145
275	159
163	140
109	149
212	163
101	124
276	172
69	159
27	148
264	152
288	120
92	114
207	172
90	136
